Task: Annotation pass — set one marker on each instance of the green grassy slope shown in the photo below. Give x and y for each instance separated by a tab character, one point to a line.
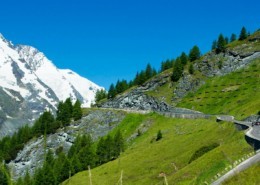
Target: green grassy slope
145	158
249	176
233	94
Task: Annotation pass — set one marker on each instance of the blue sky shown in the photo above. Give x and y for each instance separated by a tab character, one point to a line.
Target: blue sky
113	39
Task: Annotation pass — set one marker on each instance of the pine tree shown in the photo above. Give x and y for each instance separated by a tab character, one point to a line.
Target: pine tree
111	92
226	40
3	176
243	34
61	167
221	44
194	53
184	58
75	165
87	154
191	69
101	151
233	37
148	71
108	143
118	144
77	111
214	45
177	70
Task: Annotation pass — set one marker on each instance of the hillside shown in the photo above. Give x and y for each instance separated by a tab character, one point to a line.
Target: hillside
146	158
194	148
223	83
160	93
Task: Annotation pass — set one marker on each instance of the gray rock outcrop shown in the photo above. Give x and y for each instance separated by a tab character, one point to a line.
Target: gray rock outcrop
97	123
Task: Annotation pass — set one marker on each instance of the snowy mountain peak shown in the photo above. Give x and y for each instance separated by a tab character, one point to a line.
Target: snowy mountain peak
31	55
31	83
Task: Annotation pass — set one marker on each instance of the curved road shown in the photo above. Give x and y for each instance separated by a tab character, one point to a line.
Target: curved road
242	166
254	133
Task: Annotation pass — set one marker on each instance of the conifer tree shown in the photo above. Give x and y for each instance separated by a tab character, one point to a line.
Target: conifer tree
226	40
221	44
243	34
77	111
233	37
101	151
111	92
3	176
109	146
194	53
118	144
68	103
148	71
191	69
75	165
177	70
184	58
214	45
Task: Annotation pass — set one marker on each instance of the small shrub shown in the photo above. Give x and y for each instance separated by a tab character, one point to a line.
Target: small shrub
139	133
159	135
220	64
203	150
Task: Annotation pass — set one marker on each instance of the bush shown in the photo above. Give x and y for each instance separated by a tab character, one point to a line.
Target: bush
159	135
203	150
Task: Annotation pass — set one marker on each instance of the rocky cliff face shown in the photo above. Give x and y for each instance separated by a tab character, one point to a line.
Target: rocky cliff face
97	123
138	100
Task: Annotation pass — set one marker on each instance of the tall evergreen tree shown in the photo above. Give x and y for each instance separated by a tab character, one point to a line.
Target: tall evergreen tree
3	176
243	34
68	103
233	37
111	91
194	53
101	151
77	111
109	148
191	69
177	70
75	165
118	144
214	45
184	58
226	40
221	44
148	71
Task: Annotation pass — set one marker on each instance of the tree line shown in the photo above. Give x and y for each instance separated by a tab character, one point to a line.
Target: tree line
45	124
123	85
177	66
220	44
83	153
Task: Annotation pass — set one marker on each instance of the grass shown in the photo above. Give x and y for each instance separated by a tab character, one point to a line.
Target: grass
243	177
146	158
233	94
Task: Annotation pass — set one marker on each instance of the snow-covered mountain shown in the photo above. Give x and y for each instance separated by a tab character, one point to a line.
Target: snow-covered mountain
30	84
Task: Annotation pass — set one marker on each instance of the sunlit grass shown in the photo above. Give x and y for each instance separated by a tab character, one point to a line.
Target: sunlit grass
145	158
